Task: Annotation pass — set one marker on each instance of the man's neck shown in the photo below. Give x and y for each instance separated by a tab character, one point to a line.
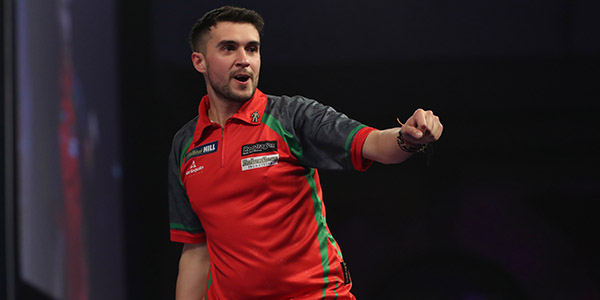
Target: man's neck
221	110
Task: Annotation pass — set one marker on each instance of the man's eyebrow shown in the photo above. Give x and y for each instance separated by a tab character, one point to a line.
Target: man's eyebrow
232	42
254	43
226	42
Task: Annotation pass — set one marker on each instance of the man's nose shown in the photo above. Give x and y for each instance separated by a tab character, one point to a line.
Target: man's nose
242	58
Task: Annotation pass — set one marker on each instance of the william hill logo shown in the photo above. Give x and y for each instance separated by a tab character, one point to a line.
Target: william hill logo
202	150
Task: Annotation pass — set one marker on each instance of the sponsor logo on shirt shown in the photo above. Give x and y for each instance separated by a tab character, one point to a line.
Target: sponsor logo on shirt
255	116
202	150
260	147
193	168
259	161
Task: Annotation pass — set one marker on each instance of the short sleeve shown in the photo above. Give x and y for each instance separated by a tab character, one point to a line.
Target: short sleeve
318	135
360	163
185	227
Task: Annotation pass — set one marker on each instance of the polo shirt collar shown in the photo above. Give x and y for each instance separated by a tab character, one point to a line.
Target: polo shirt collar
251	113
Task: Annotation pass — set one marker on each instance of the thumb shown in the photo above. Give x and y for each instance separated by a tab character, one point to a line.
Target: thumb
412	132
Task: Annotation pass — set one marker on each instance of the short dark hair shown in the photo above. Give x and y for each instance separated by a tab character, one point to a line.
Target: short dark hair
223	14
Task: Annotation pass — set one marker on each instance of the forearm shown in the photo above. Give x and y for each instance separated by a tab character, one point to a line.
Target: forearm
193	272
381	146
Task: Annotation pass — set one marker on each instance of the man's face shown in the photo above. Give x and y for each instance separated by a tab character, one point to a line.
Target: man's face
232	61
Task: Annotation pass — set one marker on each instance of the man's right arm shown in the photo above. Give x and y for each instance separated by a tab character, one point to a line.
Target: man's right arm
193	272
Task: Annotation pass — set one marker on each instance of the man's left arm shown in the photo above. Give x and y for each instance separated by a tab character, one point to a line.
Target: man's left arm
423	127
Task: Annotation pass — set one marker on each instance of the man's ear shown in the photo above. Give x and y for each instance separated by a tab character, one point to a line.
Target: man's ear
199	62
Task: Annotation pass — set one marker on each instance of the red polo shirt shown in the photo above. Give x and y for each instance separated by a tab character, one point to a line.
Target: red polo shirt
251	191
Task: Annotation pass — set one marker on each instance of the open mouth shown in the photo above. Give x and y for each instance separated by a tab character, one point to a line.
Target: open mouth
242	77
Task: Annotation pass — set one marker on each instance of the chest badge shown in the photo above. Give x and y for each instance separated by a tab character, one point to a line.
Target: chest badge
193	168
255	116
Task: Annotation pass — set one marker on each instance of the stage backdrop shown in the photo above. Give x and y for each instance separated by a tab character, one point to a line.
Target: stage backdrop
68	161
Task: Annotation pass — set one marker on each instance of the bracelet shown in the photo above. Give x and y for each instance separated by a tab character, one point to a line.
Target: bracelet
406	147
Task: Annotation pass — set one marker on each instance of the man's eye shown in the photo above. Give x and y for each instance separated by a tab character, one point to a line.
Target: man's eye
252	49
228	48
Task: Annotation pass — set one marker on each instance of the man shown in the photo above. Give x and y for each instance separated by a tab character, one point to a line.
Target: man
244	193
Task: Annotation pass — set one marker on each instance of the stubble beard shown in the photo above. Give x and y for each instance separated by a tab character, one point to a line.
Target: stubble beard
225	92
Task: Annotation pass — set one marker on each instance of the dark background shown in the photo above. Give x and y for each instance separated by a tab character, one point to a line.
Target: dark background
504	208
